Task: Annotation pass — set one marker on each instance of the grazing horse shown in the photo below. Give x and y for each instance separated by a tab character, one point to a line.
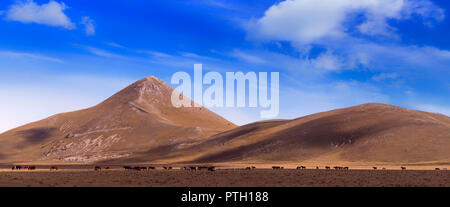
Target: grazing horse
107	168
374	168
317	167
193	168
151	168
13	167
276	167
327	167
97	168
345	168
31	167
54	167
248	168
137	168
212	168
403	168
127	167
18	167
437	169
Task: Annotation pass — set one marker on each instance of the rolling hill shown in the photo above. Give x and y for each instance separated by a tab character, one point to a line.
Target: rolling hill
368	133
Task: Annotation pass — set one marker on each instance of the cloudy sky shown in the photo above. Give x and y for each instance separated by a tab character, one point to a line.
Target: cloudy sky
58	56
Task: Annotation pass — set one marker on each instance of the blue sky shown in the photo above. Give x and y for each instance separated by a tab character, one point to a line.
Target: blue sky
58	56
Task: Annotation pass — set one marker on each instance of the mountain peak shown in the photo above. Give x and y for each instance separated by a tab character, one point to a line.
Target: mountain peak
137	118
150	89
152	79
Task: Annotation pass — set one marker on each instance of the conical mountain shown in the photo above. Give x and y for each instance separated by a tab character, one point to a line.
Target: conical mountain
138	118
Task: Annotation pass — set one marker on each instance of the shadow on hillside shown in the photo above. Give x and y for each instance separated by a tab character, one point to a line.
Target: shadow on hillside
36	135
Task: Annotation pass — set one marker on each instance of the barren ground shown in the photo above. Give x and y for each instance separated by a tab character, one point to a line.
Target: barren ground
224	177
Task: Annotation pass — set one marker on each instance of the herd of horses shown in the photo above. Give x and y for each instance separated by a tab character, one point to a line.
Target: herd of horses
195	168
317	168
326	168
189	168
27	167
139	168
30	167
335	167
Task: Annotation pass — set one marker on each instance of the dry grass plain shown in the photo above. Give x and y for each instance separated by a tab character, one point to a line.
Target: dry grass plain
85	176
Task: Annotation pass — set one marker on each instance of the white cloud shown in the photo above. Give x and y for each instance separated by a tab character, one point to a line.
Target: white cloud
185	60
326	61
384	76
156	54
386	59
427	10
113	44
51	14
394	57
247	57
101	52
310	21
12	54
373	56
89	27
333	26
215	3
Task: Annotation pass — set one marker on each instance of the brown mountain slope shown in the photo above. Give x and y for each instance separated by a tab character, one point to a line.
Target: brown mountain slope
360	134
138	118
